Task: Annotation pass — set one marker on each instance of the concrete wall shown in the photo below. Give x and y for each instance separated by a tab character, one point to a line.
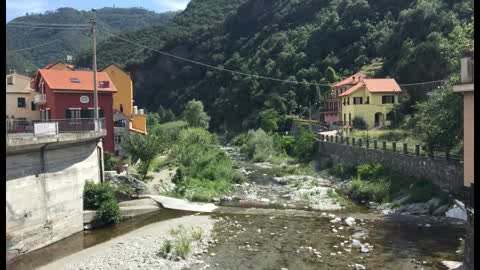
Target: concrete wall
468	136
447	174
42	208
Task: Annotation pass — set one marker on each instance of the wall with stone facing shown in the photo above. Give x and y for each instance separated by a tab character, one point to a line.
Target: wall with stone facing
44	198
447	174
469	253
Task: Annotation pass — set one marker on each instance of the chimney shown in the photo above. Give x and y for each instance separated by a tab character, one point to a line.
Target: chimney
11	79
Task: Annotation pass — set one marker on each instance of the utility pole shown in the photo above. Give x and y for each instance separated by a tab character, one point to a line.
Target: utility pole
94	46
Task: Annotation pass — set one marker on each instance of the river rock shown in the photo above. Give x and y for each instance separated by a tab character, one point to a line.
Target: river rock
364	249
350	221
336	220
356	243
359	267
401	200
440	211
457	211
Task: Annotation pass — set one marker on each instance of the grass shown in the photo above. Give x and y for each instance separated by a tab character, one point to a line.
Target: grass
181	244
339	198
372	182
160	162
284	170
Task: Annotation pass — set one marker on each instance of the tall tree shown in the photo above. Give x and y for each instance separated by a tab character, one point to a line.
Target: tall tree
195	115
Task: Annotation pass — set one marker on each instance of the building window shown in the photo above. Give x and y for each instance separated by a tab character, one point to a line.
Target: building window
357	100
349	119
73	113
344	118
388	99
21	102
34	106
121	108
348	101
118	139
368	100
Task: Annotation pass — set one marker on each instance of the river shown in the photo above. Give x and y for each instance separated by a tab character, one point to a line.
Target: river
287	234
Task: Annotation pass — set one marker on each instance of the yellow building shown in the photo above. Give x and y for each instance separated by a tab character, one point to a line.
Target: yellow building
20	106
127	116
372	99
59	65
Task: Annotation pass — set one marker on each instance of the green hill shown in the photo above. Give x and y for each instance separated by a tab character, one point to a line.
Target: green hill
70	42
310	40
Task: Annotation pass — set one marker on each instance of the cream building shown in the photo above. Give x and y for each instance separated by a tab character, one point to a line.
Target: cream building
20	107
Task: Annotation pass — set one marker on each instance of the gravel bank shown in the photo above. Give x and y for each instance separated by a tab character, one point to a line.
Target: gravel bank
138	249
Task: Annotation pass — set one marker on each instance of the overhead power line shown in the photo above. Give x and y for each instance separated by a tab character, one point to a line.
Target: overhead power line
33	47
215	67
422	83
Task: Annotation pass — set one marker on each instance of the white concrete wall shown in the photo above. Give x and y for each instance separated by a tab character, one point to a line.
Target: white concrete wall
44	208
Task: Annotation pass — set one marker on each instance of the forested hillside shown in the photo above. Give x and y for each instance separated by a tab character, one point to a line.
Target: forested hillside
69	42
307	41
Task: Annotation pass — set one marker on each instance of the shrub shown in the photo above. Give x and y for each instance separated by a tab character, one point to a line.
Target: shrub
240	140
204	170
377	191
108	213
284	144
359	122
110	161
342	171
95	195
170	131
195	115
268	120
305	144
259	146
369	171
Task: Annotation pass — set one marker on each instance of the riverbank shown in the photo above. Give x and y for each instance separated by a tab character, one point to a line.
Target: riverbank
136	250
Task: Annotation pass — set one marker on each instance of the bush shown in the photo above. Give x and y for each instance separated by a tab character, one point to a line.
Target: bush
305	144
170	131
204	170
369	171
359	122
268	120
240	140
284	144
259	146
95	195
342	171
377	191
110	161
101	197
108	213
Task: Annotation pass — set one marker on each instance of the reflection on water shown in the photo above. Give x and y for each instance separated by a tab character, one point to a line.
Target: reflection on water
86	239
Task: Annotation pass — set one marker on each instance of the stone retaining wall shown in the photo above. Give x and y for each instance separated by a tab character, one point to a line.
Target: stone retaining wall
447	174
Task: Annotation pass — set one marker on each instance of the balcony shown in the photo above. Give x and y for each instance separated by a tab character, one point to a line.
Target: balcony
40	99
22	134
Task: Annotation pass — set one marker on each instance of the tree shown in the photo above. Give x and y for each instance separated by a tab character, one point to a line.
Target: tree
305	144
439	119
268	120
143	147
153	119
359	122
195	115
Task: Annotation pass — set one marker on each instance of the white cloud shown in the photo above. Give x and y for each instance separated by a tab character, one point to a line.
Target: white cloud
171	4
17	8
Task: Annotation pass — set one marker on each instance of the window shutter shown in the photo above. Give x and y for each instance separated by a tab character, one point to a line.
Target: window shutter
68	114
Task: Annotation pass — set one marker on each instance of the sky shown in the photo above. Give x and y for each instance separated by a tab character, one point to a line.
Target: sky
17	8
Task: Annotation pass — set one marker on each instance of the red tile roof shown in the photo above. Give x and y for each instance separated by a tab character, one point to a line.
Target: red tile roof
62	80
350	79
375	86
382	85
352	89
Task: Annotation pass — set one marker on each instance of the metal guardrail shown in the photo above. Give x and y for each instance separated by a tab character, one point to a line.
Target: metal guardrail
55	126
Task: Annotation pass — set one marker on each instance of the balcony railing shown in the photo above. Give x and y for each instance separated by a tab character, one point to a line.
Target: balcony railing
40	99
52	127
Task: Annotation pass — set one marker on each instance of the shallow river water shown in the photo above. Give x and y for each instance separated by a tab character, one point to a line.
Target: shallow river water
256	238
